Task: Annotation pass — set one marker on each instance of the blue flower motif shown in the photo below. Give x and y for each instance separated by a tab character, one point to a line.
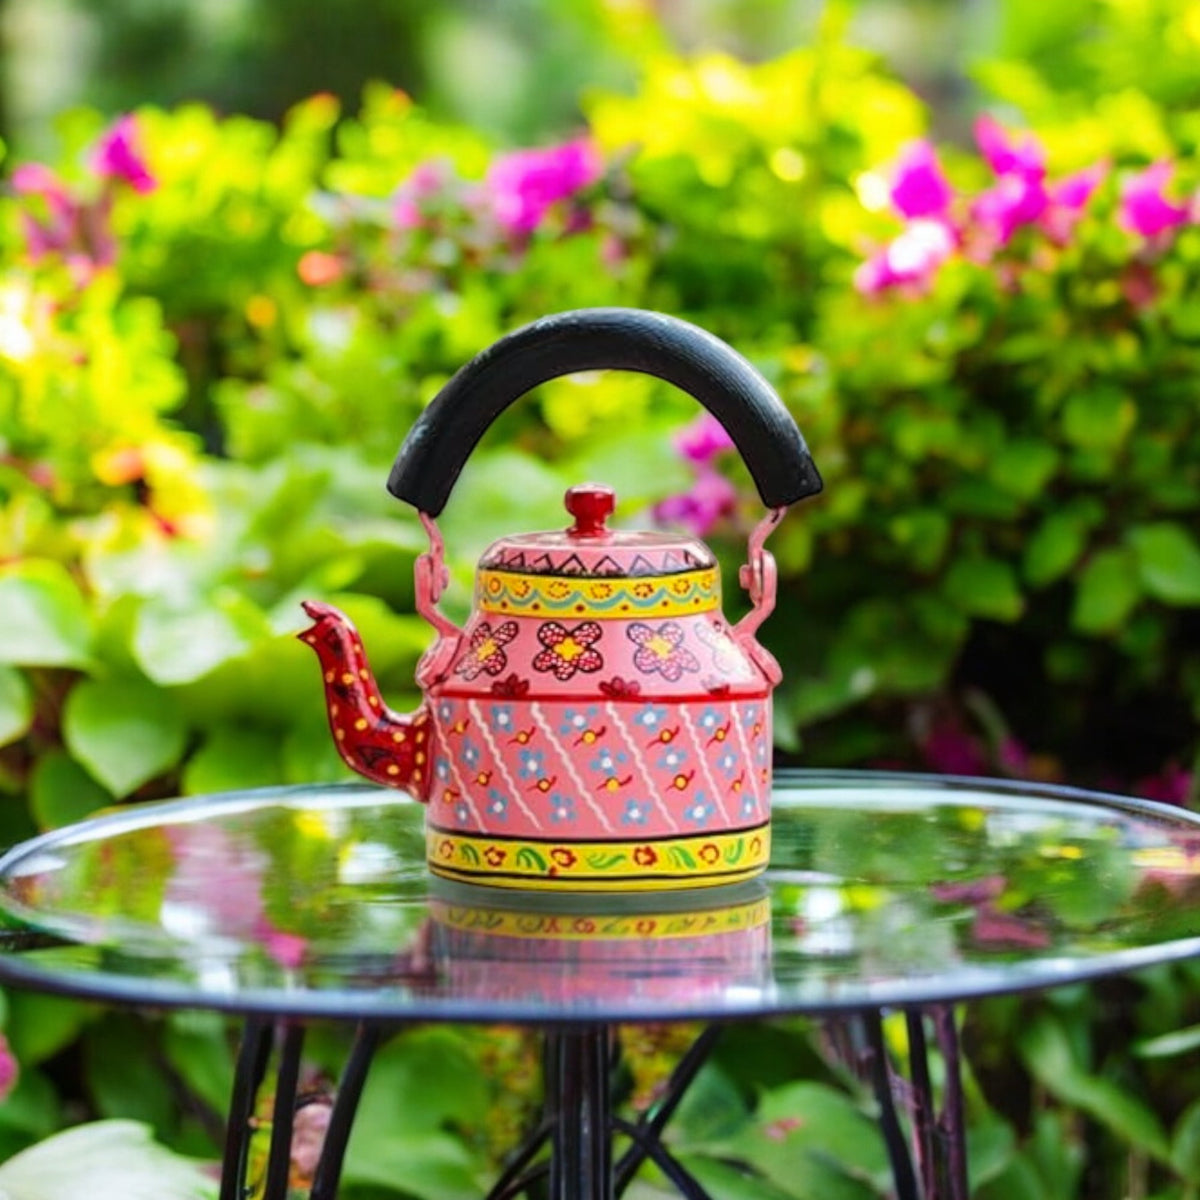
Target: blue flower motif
531	764
608	761
445	710
470	754
710	721
699	810
727	762
497	804
750	714
562	808
502	718
650	718
749	805
576	720
462	812
441	769
672	758
636	812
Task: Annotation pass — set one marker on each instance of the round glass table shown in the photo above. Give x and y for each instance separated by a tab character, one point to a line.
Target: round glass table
885	892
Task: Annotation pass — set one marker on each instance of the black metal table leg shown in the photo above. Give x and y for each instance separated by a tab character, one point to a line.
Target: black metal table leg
581	1160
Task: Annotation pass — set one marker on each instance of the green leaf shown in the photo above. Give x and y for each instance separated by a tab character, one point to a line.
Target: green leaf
198	1048
1098	419
16	705
724	1181
234	758
1106	592
124	732
1185	1143
985	587
61	791
105	1160
45	620
40	1026
1046	1049
812	1142
1169	1045
122	1078
176	644
1054	548
1168	560
1024	467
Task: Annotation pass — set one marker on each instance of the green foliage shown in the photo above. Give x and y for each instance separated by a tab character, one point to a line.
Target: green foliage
202	387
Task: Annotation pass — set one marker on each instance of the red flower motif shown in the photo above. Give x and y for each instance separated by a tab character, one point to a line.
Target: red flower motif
565	651
446	848
710	852
495	856
645	856
511	686
563	857
485	653
616	687
661	650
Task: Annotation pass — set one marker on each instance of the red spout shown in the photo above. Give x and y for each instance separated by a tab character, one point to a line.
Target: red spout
384	746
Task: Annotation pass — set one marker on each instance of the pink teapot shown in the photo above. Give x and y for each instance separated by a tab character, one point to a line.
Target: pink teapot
598	725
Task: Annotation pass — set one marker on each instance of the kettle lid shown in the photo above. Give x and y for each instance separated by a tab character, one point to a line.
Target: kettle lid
588	549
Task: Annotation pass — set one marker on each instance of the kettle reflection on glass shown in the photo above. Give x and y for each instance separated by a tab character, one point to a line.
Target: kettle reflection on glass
598	725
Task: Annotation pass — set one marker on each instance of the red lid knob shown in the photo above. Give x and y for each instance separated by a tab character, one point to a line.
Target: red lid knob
591	504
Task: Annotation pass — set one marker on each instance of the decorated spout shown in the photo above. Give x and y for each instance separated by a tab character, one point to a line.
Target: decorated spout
386	747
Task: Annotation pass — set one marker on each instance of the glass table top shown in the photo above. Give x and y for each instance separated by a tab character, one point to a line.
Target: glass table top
883	890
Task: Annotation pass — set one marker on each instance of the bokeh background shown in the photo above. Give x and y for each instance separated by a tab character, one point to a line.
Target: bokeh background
242	242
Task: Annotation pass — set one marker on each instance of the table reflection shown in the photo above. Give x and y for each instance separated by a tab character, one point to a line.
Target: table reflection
881	889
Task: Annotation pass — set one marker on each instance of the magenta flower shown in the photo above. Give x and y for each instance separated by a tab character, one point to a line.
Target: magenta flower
413	195
1007	155
117	156
919	187
910	259
9	1070
698	509
524	185
1145	209
702	439
1067	199
1012	202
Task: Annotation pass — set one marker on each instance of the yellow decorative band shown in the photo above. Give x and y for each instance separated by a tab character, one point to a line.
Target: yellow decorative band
701	860
571	927
564	595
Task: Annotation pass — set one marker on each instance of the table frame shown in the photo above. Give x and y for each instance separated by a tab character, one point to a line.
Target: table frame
569	1154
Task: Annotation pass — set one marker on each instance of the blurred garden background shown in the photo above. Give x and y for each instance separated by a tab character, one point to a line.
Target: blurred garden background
244	241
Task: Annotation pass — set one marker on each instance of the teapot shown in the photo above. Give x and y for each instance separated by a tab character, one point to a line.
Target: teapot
598	725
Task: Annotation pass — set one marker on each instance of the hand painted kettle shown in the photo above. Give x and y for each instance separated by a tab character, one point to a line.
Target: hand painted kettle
598	725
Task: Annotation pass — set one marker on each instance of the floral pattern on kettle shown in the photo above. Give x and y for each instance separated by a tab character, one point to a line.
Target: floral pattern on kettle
486	650
565	651
661	650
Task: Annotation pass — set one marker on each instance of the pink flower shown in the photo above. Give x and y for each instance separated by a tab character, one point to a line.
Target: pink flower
9	1069
1145	209
1066	200
919	187
1171	785
525	184
702	439
1013	201
117	156
698	509
1007	155
408	205
911	258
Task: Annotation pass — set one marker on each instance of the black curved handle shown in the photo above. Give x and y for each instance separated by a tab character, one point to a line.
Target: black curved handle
592	339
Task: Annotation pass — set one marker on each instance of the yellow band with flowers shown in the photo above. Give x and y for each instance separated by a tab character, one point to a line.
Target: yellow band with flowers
701	860
565	595
571	927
